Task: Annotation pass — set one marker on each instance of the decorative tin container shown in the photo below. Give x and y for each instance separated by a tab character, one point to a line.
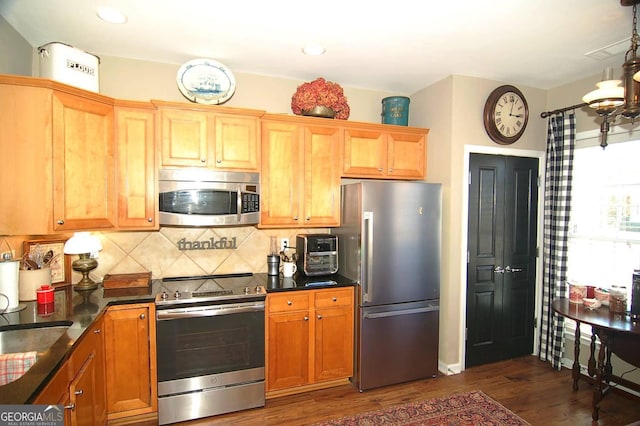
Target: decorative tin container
68	65
395	110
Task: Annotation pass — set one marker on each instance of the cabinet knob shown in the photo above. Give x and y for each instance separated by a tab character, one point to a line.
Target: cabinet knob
79	392
295	218
142	316
308	218
218	161
289	302
306	318
203	160
319	316
150	219
379	169
60	222
97	331
391	170
335	299
70	407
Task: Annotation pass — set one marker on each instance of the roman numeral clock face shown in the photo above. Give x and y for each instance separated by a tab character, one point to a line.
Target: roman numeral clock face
505	115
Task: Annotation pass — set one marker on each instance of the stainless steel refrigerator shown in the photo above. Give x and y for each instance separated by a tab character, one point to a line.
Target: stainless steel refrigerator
389	241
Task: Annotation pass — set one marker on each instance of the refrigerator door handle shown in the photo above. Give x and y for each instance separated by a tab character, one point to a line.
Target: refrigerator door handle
367	250
398	313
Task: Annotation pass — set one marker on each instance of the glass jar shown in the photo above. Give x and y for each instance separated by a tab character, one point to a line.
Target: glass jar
618	299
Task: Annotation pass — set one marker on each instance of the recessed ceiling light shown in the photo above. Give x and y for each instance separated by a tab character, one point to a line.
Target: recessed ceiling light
313	49
111	15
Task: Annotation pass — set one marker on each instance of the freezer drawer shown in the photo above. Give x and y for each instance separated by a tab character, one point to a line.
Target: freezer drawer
396	344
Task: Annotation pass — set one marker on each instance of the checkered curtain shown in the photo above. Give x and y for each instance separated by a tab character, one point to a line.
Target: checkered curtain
561	135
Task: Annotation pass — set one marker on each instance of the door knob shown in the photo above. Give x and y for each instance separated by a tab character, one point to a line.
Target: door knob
498	270
510	269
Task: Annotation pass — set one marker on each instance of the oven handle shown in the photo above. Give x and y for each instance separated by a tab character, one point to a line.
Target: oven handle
208	311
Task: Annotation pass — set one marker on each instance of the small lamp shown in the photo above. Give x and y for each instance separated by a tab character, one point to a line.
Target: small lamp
84	245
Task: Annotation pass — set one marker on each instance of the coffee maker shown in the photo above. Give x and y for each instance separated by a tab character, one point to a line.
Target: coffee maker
317	254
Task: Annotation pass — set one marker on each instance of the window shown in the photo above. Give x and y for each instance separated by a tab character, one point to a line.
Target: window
604	234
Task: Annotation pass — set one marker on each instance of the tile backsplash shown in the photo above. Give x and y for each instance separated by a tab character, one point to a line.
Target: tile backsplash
159	253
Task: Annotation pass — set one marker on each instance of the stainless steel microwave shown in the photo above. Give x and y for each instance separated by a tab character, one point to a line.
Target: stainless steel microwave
201	197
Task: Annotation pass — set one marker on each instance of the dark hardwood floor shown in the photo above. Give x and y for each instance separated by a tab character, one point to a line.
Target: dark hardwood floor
527	386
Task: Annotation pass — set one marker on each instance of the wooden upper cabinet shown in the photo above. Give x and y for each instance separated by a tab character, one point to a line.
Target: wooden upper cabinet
384	152
83	164
136	165
300	179
208	136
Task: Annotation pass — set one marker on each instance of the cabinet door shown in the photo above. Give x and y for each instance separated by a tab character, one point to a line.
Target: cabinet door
237	145
288	350
407	155
25	160
281	177
365	153
83	395
83	164
185	137
322	176
135	147
130	360
333	358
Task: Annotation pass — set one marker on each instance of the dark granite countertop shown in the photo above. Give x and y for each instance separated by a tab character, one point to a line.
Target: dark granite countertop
79	310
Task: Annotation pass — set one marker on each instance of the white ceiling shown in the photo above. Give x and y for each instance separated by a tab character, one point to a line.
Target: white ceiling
397	46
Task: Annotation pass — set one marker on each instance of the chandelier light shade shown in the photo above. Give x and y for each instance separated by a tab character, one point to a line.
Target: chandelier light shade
84	245
608	96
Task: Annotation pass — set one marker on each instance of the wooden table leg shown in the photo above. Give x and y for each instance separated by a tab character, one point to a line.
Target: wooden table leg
598	390
591	366
575	370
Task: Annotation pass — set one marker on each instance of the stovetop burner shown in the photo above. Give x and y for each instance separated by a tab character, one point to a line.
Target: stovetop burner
223	287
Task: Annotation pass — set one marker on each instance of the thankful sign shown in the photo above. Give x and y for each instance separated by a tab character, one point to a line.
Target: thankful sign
223	243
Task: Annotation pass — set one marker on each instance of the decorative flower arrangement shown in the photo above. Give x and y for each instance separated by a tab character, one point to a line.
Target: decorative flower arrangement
320	92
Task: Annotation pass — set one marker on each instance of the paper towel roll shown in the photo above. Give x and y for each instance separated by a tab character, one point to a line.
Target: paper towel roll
32	280
9	283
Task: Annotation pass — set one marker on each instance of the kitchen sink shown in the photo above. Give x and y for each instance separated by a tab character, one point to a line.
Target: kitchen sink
36	337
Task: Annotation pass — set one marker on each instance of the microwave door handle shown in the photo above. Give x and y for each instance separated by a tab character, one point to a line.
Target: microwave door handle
239	203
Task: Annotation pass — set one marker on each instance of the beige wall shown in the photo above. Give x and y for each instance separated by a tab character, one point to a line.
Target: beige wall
15	52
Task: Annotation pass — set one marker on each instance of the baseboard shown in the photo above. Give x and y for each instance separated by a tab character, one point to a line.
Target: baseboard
449	369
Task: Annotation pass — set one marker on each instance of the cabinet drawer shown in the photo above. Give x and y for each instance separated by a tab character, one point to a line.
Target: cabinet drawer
291	301
334	297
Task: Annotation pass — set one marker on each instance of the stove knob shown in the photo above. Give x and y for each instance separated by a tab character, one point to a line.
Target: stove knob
247	290
177	294
164	295
258	289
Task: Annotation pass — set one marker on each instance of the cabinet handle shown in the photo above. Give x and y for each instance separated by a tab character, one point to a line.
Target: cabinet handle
70	407
319	316
289	302
142	316
306	318
335	299
60	222
308	218
391	170
150	219
295	218
79	392
203	160
98	331
379	169
219	161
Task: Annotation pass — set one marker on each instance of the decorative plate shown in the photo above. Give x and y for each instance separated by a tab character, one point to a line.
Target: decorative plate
206	81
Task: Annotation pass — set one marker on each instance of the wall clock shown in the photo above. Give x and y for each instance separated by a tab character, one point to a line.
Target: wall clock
505	115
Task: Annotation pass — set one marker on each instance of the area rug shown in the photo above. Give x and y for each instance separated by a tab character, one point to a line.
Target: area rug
469	408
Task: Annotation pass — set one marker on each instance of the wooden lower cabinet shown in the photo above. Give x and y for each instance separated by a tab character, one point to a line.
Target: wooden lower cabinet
309	340
79	384
130	357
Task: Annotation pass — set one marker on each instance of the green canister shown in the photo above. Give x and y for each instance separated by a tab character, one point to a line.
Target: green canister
395	110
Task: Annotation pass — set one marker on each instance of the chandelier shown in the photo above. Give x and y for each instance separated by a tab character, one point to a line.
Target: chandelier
611	100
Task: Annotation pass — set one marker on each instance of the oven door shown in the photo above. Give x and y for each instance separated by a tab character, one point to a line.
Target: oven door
214	340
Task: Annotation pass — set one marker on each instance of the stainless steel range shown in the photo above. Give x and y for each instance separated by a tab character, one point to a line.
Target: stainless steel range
210	345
